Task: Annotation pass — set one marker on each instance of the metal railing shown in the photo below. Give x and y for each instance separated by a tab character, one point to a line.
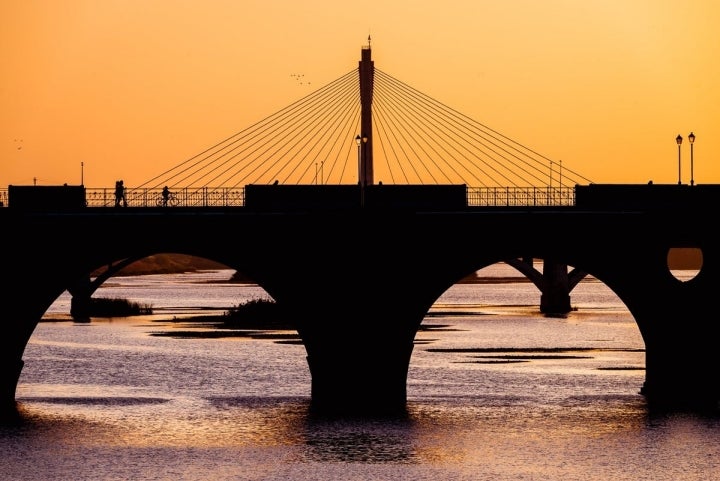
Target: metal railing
520	196
235	197
185	197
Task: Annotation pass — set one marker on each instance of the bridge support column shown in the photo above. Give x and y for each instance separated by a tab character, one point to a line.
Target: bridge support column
681	371
10	369
359	337
368	378
555	297
681	346
672	382
80	300
12	345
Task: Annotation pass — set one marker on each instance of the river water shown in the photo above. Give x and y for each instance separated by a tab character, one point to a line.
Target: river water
496	391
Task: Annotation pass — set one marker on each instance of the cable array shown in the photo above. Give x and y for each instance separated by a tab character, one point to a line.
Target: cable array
417	140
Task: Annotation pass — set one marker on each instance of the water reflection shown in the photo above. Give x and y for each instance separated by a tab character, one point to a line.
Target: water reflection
111	400
359	441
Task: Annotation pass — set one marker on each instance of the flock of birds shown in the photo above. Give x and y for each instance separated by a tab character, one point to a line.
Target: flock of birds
299	78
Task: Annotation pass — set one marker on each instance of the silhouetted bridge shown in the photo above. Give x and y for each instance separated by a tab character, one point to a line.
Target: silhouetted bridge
395	262
306	218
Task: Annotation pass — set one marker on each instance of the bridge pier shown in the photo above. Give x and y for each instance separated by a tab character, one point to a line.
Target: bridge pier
555	294
10	369
81	293
12	346
681	360
358	347
554	283
359	379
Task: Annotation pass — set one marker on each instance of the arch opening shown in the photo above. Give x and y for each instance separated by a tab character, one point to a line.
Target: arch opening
685	263
81	303
489	333
180	351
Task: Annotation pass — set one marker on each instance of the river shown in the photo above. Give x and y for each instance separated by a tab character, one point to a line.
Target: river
496	391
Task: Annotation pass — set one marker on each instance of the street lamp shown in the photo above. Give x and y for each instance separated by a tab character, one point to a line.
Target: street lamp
678	139
691	139
551	162
362	160
358	141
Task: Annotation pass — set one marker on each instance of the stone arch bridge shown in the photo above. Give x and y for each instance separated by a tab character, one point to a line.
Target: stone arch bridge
393	264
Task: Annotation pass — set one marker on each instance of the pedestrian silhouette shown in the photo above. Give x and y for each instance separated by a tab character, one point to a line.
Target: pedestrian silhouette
120	194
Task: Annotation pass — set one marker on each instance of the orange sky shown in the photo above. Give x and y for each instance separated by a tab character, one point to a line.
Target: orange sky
130	88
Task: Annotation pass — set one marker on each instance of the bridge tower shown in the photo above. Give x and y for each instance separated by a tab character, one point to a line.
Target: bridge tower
366	71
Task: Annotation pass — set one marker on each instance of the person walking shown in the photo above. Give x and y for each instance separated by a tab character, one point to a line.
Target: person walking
120	194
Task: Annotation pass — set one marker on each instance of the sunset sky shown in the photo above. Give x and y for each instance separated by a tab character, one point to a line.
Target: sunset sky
131	88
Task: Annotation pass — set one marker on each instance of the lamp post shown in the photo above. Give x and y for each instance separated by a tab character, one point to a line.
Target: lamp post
362	165
364	159
678	139
551	162
560	184
358	141
691	139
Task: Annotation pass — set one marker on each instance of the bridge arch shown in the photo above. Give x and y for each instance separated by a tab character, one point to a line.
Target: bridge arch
161	262
359	337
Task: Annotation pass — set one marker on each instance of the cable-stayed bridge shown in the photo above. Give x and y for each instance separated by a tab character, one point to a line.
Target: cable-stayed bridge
360	270
367	127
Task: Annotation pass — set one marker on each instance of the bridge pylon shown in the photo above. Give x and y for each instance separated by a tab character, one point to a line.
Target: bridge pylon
366	71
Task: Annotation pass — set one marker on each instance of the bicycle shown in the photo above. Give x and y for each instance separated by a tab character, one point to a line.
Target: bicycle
171	201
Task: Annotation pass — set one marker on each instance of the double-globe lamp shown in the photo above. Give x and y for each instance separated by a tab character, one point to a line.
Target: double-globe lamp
691	139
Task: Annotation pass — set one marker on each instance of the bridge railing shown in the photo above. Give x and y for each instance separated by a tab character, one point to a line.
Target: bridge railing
185	197
520	196
235	197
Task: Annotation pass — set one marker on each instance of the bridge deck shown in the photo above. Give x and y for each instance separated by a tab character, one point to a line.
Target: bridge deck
422	197
336	196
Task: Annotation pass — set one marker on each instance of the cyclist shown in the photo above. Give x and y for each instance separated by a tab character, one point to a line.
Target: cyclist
165	195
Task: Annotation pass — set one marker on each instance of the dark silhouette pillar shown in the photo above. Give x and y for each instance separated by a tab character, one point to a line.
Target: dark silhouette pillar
681	361
366	72
81	293
359	338
554	283
21	321
349	376
555	293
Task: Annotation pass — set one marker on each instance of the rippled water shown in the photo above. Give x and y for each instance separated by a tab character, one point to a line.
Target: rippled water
108	400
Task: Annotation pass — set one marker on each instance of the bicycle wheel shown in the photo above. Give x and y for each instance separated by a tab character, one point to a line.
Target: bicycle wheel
173	201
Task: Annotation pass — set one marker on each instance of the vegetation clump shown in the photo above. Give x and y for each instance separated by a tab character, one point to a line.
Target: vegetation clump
257	314
113	307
